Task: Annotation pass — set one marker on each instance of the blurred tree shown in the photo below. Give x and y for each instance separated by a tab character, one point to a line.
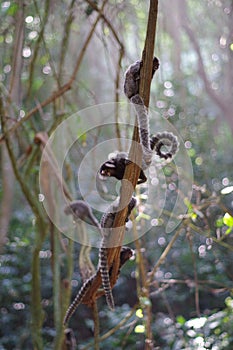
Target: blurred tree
60	58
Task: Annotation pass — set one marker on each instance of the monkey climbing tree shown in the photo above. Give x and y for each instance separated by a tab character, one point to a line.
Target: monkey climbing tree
131	176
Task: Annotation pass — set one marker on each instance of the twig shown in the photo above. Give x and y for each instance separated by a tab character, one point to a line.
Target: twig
200	231
64	88
163	256
195	275
109	24
117	88
117	80
38	43
114	329
48	156
96	325
26	190
189	282
65	39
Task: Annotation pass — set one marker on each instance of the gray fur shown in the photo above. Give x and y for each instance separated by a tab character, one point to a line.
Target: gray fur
144	129
165	139
78	299
81	210
131	89
125	255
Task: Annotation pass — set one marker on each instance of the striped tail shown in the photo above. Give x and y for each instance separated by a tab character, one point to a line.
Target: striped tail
167	140
104	272
78	299
144	129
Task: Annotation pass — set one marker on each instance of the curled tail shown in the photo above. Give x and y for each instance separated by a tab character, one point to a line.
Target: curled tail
165	140
160	140
165	144
131	90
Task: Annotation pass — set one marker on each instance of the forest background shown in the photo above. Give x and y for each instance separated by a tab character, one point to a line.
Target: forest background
58	58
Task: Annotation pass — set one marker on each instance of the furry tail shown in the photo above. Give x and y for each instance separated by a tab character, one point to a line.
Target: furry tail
78	299
144	129
164	140
104	272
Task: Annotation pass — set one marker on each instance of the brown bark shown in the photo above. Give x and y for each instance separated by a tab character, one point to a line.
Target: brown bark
132	171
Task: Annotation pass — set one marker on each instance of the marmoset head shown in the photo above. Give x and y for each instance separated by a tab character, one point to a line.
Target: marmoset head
115	166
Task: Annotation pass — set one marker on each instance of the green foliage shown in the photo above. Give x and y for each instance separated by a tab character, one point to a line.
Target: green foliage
12	9
228	221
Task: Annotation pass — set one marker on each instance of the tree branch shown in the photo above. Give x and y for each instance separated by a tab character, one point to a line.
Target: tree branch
132	170
64	88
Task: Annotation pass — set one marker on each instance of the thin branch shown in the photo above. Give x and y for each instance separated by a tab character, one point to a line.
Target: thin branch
114	329
109	24
190	283
148	53
217	99
96	326
163	256
65	39
206	233
15	80
117	80
195	275
34	203
117	88
42	138
38	43
65	87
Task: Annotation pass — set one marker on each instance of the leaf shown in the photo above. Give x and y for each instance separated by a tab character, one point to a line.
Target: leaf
12	9
229	230
228	220
44	59
219	222
37	84
229	302
193	216
191	152
181	320
188	204
139	313
139	329
143	216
